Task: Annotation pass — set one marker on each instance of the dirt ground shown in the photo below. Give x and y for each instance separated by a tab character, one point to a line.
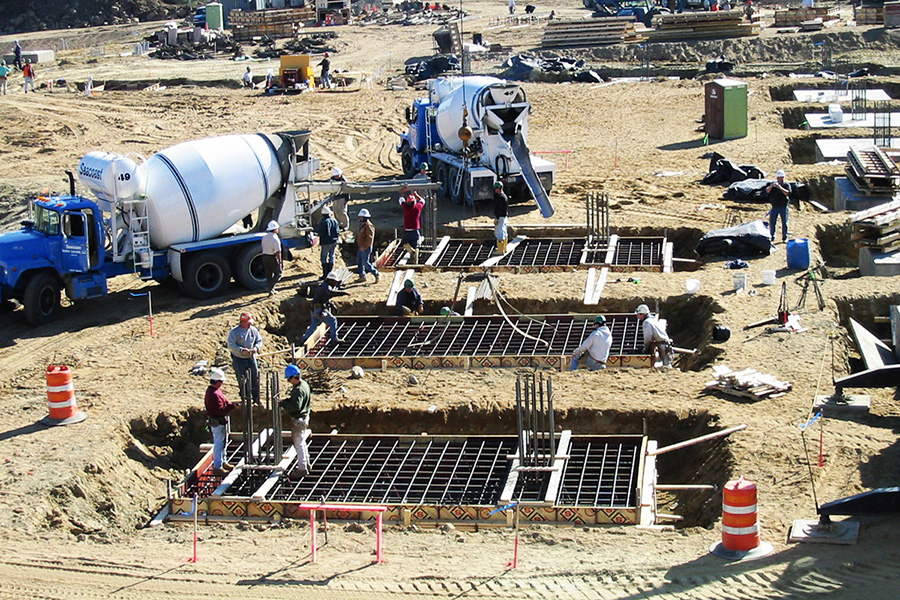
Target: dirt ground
74	500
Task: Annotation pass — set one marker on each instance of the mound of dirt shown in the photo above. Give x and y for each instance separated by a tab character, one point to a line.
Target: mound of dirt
59	14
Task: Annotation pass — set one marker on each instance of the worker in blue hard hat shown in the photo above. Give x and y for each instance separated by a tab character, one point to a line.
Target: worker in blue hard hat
596	346
297	405
409	300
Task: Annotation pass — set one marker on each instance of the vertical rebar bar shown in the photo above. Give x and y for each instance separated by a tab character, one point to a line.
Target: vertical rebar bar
552	423
248	419
273	395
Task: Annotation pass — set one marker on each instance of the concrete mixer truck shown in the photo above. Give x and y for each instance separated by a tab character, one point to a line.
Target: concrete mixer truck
471	131
171	216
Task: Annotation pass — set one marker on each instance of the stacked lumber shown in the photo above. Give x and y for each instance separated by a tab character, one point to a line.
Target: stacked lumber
748	383
869	15
877	228
275	23
588	32
701	25
872	172
795	17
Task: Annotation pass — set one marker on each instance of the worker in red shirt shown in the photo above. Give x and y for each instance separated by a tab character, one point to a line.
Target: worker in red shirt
412	205
28	73
217	411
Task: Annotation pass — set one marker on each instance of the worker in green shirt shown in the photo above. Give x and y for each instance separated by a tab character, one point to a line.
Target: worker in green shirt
297	406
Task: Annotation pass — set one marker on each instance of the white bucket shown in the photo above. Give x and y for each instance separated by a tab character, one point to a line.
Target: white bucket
740	281
692	286
768	277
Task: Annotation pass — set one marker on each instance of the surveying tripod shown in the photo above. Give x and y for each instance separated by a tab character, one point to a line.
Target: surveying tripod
813	275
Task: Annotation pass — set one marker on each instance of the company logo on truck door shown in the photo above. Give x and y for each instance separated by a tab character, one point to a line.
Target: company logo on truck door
90	172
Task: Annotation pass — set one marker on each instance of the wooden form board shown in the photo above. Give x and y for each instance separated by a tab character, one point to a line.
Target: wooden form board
596	281
397	285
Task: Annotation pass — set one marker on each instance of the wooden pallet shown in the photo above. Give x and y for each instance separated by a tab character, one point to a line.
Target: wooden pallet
747	383
795	17
588	32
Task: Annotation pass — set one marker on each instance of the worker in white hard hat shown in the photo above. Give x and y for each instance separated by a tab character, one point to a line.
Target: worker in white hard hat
365	240
596	346
244	343
297	406
657	342
271	256
217	411
340	201
322	307
779	194
329	236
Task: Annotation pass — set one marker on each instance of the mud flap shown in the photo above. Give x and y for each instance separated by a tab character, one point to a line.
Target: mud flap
523	156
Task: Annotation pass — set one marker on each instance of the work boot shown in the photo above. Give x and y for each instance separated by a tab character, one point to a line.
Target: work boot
416	256
361	278
503	244
219	472
227	466
377	277
498	249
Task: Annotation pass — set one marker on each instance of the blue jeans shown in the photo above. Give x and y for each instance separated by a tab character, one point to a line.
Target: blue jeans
411	237
317	316
773	216
328	253
241	367
592	364
364	262
218	433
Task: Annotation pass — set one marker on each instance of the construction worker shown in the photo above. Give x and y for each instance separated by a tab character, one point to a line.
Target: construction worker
17	55
4	77
217	411
329	235
321	308
297	406
409	300
423	173
596	346
325	80
779	194
501	217
271	256
247	79
412	205
28	74
244	343
340	201
447	312
364	241
656	341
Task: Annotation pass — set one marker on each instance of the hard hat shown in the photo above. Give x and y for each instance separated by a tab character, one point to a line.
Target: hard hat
445	310
408	283
365	213
642	309
423	166
291	371
246	317
336	172
216	375
498	184
600	320
779	173
333	276
326	55
272	226
326	211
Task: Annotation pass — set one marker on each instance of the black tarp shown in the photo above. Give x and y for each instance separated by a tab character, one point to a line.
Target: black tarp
725	171
754	190
744	241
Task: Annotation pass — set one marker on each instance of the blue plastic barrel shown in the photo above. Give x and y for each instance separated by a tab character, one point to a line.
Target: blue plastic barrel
798	254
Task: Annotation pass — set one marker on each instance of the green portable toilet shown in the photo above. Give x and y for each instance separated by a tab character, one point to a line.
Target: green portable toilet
214	16
726	109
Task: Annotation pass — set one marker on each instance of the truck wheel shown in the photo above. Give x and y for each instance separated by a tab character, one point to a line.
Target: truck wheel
248	268
466	191
442	175
206	275
41	299
407	162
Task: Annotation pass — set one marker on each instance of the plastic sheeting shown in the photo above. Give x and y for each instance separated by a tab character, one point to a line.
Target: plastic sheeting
744	241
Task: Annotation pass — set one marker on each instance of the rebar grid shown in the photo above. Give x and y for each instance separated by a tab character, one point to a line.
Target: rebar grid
474	336
544	253
643	252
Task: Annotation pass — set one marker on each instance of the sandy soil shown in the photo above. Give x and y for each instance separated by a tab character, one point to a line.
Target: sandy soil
73	500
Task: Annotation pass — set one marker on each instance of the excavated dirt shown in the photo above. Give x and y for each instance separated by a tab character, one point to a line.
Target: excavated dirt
73	500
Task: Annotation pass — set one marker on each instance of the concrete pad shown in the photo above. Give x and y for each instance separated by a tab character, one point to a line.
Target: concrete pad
847	197
828	150
847	402
35	56
843	532
826	96
879	264
823	121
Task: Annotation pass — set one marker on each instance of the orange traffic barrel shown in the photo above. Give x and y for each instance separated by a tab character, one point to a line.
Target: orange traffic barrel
61	397
740	523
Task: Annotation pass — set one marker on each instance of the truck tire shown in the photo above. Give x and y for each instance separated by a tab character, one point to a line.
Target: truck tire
442	175
206	275
248	268
41	298
407	162
466	191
